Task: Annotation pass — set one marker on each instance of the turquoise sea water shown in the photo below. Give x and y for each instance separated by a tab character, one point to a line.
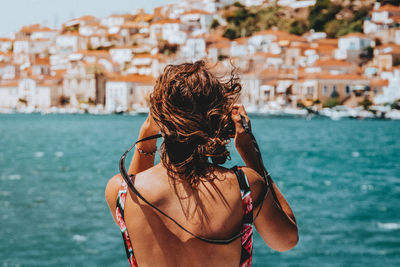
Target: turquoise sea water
342	179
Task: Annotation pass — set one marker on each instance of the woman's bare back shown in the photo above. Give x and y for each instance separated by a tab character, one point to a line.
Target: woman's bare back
213	210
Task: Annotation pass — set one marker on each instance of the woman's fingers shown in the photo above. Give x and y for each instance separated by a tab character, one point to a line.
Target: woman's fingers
238	109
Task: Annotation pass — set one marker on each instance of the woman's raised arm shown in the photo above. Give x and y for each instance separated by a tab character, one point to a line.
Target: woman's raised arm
144	155
276	222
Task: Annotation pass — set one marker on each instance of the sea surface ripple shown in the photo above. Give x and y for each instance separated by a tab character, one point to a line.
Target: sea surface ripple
342	179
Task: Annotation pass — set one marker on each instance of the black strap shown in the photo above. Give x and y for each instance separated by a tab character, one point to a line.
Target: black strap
266	176
136	192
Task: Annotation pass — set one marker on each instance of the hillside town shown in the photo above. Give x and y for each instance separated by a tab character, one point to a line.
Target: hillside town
110	64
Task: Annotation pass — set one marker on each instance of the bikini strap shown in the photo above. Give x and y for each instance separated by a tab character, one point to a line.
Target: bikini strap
247	202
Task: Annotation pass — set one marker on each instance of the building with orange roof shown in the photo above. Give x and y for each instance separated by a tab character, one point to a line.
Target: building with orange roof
9	71
41	66
84	83
36	92
70	42
352	45
170	30
333	66
80	21
116	20
386	56
36	31
323	86
146	64
385	14
198	21
8	93
6	44
128	92
121	54
194	49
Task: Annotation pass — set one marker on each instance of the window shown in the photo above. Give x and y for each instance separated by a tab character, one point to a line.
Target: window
310	90
333	88
347	89
325	90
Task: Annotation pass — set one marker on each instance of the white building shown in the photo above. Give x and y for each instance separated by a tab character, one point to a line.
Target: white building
121	54
5	44
392	91
194	49
71	42
9	94
84	83
129	92
197	21
352	45
386	14
169	30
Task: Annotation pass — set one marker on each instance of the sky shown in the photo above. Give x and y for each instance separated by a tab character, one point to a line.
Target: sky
16	13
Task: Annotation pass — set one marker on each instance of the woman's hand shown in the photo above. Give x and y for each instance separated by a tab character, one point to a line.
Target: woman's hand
141	160
242	139
150	126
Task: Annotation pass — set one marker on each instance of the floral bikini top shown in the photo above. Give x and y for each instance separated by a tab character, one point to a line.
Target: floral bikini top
247	227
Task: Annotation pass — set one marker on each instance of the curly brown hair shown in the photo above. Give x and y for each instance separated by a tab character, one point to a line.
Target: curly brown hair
192	107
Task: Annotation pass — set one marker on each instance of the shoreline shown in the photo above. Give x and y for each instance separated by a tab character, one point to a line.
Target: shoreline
336	113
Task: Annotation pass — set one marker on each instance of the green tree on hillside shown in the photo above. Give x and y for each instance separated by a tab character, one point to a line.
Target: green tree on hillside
391	2
321	13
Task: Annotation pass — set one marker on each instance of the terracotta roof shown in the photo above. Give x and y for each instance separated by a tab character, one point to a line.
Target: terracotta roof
219	45
93	52
5	39
166	21
122	47
214	37
11	83
390	48
143	17
328	41
379	82
130	24
49	82
134	78
389	8
86	18
329	76
300	45
355	34
333	63
242	40
36	28
395	18
325	49
196	11
281	35
42	61
147	55
74	33
58	73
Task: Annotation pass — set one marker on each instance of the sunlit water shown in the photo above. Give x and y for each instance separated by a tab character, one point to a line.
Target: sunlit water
342	179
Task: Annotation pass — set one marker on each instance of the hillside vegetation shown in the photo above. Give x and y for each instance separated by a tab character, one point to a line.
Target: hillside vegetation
336	18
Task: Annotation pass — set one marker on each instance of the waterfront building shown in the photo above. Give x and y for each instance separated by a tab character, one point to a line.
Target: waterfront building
128	92
6	45
9	94
350	47
84	83
170	30
194	49
324	86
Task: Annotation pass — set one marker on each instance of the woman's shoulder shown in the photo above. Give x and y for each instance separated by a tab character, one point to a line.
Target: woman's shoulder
256	183
111	192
